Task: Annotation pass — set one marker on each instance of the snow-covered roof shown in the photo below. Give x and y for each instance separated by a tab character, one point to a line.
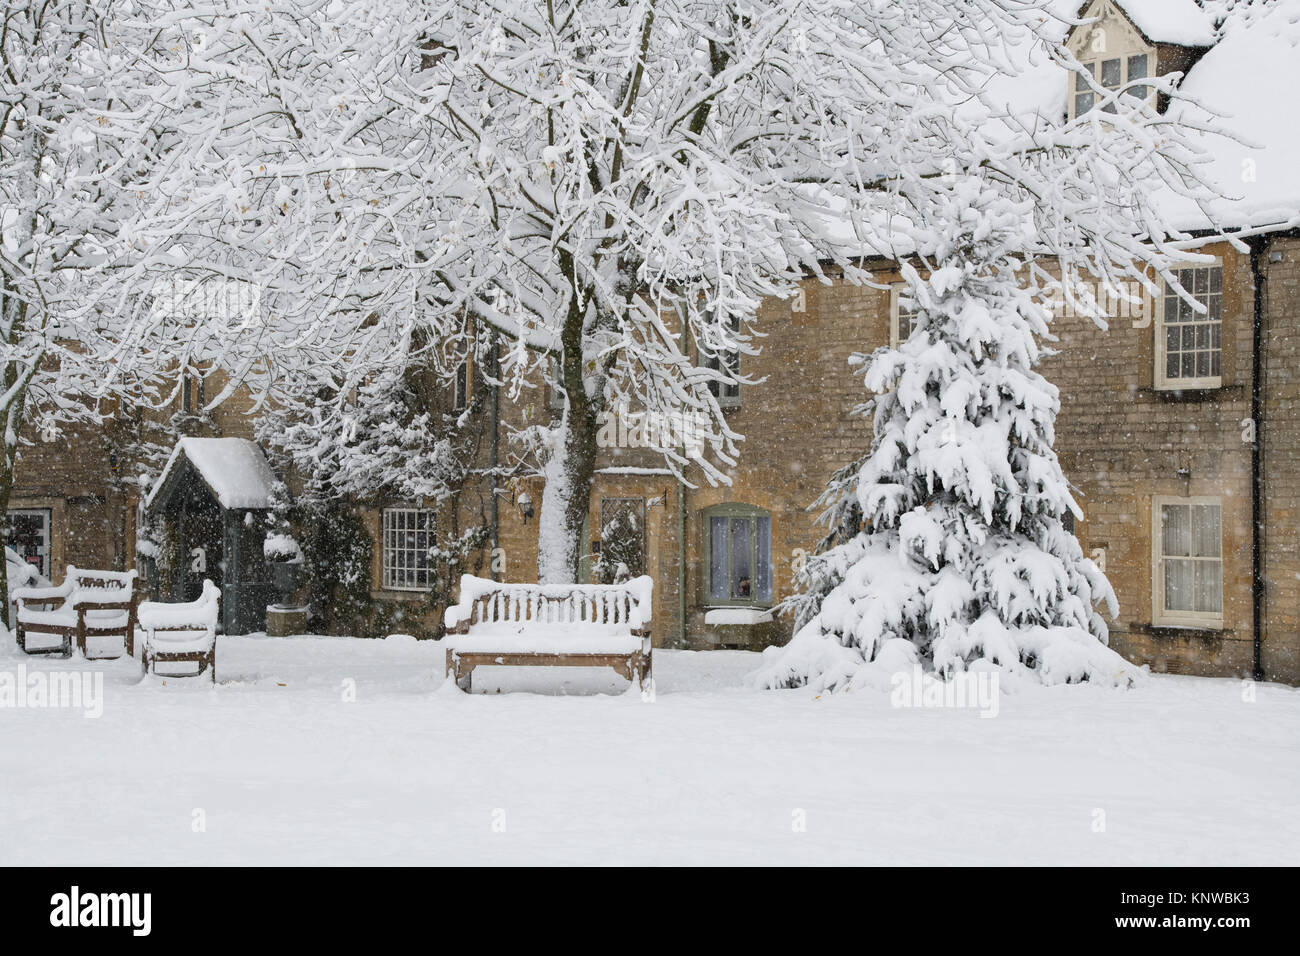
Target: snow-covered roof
234	468
1183	22
1247	77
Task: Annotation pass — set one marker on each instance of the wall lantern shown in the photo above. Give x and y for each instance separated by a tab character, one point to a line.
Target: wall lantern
525	504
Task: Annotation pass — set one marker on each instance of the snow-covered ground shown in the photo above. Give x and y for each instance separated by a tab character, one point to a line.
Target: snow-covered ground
285	770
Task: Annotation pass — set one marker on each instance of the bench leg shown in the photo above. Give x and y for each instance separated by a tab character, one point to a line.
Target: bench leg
464	676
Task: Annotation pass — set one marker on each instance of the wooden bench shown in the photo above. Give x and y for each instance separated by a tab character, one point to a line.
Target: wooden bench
87	604
182	633
584	625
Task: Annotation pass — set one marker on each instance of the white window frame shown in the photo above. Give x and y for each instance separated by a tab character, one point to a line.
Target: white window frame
1160	615
389	548
895	313
1162	380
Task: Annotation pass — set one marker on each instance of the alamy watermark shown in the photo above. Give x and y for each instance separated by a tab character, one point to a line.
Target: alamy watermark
75	908
660	431
36	689
977	690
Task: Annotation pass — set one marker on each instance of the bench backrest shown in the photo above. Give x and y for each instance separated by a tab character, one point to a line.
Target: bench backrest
101	587
575	605
197	615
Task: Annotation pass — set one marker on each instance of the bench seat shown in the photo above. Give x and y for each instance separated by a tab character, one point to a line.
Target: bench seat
550	626
504	644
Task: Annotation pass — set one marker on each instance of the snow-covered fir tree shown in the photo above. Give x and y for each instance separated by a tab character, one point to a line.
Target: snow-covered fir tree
947	545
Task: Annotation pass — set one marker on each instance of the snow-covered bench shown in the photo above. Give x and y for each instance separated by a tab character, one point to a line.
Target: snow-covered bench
182	633
593	625
86	604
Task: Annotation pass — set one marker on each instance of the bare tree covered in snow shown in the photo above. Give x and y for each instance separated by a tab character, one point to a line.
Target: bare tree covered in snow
89	92
615	186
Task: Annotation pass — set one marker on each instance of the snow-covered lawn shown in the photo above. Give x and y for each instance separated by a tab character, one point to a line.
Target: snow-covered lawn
285	770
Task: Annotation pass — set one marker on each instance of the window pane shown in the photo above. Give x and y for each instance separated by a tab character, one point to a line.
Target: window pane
1178	585
1137	67
1082	103
1205	531
719	585
763	585
742	574
1176	533
1110	76
1209	587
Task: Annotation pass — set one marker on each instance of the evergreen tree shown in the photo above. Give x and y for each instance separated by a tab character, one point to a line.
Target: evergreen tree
947	545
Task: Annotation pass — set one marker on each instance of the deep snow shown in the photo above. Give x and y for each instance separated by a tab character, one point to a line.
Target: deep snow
286	771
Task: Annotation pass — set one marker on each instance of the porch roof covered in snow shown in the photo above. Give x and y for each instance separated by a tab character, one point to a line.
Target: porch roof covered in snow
234	469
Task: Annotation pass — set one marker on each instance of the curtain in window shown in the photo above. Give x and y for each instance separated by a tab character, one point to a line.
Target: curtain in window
740	558
1191	558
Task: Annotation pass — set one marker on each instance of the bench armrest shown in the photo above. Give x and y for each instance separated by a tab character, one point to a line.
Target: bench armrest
471	589
42	595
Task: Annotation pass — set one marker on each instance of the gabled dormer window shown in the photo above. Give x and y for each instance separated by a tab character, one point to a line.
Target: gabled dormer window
1115	58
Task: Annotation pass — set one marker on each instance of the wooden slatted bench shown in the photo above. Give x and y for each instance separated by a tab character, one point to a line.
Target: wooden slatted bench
87	604
583	625
182	633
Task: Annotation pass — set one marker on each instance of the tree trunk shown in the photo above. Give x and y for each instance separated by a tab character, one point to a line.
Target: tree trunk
8	459
6	486
13	381
571	466
566	500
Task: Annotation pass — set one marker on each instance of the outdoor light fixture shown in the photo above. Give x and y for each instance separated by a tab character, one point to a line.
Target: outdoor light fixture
525	504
